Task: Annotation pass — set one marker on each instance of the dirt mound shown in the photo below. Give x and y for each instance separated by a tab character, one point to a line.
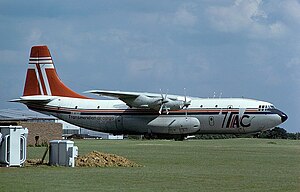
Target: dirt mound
98	159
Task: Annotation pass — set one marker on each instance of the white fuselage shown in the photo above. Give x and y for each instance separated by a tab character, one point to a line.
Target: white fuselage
212	115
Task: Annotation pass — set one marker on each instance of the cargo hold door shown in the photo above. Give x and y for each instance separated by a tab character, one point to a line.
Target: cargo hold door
119	123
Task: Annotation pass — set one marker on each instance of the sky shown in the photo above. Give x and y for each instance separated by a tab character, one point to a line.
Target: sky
227	48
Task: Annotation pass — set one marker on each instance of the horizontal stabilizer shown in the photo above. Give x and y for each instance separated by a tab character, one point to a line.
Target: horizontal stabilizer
40	99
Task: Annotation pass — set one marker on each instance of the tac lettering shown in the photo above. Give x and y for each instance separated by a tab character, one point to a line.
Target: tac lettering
235	121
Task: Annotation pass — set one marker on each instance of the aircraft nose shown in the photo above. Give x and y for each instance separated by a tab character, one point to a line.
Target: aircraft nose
283	116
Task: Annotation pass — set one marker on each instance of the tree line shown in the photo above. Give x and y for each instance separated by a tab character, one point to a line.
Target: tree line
275	133
279	133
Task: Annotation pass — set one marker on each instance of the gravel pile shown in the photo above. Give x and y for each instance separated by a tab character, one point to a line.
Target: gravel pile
98	159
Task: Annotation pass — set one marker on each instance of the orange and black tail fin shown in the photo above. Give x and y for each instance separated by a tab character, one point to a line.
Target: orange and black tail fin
42	79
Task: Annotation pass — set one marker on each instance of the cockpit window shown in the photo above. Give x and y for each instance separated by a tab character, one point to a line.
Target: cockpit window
265	107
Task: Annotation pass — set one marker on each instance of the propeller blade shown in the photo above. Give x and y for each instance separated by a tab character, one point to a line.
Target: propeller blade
186	113
162	97
160	109
184	94
166	95
186	104
167	110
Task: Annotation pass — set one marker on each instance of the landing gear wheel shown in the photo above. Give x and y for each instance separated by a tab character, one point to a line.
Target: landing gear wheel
180	138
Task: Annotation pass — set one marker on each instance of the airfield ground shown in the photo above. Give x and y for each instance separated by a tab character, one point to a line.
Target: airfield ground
193	165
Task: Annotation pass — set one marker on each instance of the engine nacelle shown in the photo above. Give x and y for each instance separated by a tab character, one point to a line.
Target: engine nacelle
174	125
143	101
174	105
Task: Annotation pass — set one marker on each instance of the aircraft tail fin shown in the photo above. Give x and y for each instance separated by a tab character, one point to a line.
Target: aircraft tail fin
42	79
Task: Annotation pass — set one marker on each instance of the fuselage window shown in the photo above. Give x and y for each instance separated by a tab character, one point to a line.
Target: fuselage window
216	106
201	106
98	107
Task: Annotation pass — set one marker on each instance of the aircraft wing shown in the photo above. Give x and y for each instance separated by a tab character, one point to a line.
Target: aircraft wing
158	102
123	95
116	94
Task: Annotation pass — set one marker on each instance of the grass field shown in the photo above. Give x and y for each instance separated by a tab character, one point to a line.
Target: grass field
194	165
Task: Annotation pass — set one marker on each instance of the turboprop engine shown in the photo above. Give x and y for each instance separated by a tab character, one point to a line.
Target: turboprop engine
158	104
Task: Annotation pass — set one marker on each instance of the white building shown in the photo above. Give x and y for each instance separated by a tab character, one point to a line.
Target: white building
70	129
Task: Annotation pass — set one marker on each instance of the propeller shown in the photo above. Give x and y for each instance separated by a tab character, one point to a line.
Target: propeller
186	104
164	100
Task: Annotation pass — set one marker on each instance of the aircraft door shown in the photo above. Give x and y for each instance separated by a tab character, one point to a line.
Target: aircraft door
211	120
119	122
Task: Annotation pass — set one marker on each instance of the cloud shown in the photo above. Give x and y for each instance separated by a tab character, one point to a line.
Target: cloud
291	10
35	35
293	67
148	67
184	17
236	17
247	17
114	36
